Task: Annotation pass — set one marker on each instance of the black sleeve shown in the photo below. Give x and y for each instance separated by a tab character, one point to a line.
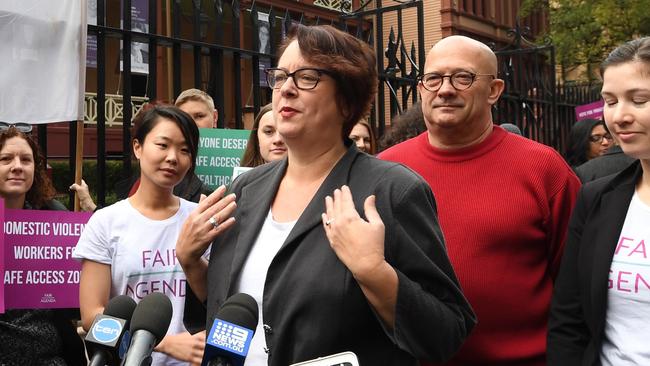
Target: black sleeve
568	334
194	312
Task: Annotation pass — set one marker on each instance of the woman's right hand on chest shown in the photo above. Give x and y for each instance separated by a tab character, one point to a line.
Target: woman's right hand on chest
210	218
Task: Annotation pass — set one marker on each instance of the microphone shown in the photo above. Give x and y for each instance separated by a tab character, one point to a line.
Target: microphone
149	325
109	335
232	331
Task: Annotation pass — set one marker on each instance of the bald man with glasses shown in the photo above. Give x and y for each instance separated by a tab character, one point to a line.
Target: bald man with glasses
503	203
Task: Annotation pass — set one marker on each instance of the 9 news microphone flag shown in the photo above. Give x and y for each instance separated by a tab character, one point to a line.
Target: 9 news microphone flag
232	332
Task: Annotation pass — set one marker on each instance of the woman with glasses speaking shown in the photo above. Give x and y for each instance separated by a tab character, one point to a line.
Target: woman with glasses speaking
343	252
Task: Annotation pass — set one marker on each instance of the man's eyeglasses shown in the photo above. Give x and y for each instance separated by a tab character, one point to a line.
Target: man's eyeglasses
597	139
305	79
20	126
460	80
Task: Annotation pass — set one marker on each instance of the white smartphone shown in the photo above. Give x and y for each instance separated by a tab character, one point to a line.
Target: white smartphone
339	359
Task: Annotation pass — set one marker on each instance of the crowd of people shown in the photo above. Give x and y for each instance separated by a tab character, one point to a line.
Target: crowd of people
452	240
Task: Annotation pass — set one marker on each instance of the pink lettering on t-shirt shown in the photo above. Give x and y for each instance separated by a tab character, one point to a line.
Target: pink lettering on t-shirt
621	244
640	248
159	258
620	280
639	278
172	288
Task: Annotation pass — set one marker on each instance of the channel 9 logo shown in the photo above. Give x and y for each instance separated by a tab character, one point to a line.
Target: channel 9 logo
230	336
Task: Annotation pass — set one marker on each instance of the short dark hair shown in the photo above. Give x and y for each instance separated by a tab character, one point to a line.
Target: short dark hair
42	189
634	50
184	121
252	156
350	59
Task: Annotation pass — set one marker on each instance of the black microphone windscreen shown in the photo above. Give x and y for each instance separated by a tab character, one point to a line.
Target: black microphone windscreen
240	309
121	307
153	314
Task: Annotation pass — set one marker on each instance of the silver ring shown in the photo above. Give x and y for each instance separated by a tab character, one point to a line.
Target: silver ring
213	222
328	222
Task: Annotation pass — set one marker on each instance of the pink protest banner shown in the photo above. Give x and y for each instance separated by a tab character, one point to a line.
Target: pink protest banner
2	259
39	270
592	111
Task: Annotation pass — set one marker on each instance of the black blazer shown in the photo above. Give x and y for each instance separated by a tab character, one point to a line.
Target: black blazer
312	305
612	162
579	305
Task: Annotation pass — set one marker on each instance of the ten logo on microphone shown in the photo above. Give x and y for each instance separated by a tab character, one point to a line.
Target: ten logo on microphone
230	336
106	330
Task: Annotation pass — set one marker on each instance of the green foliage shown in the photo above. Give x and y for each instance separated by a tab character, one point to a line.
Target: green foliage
585	31
62	178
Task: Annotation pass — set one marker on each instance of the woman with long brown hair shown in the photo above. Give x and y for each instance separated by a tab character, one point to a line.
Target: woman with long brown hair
602	293
264	143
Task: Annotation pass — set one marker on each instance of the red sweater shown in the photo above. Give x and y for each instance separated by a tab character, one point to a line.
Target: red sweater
504	207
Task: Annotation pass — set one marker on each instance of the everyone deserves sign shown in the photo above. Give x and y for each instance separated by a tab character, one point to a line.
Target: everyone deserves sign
39	271
220	151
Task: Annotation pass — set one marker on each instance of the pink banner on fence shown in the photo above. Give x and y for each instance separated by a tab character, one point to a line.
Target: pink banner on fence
39	271
592	111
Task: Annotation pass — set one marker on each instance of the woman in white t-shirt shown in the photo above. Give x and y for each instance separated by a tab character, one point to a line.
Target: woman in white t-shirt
601	303
128	248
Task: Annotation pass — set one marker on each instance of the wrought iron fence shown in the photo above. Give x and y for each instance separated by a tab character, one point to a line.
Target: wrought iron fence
568	97
533	99
529	99
220	46
397	60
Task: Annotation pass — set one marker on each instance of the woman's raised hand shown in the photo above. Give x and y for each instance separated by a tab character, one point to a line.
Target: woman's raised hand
211	217
85	200
358	243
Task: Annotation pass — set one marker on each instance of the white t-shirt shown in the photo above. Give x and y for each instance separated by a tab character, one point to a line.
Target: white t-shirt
142	256
253	275
628	296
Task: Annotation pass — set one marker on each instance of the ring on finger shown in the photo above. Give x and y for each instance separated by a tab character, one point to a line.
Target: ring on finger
213	222
329	221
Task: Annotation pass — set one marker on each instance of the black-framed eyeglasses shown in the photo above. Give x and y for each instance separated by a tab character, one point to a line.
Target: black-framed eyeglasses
598	138
305	79
460	80
20	126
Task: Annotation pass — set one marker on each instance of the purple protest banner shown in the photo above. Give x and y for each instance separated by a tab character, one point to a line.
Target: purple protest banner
2	258
39	269
592	110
